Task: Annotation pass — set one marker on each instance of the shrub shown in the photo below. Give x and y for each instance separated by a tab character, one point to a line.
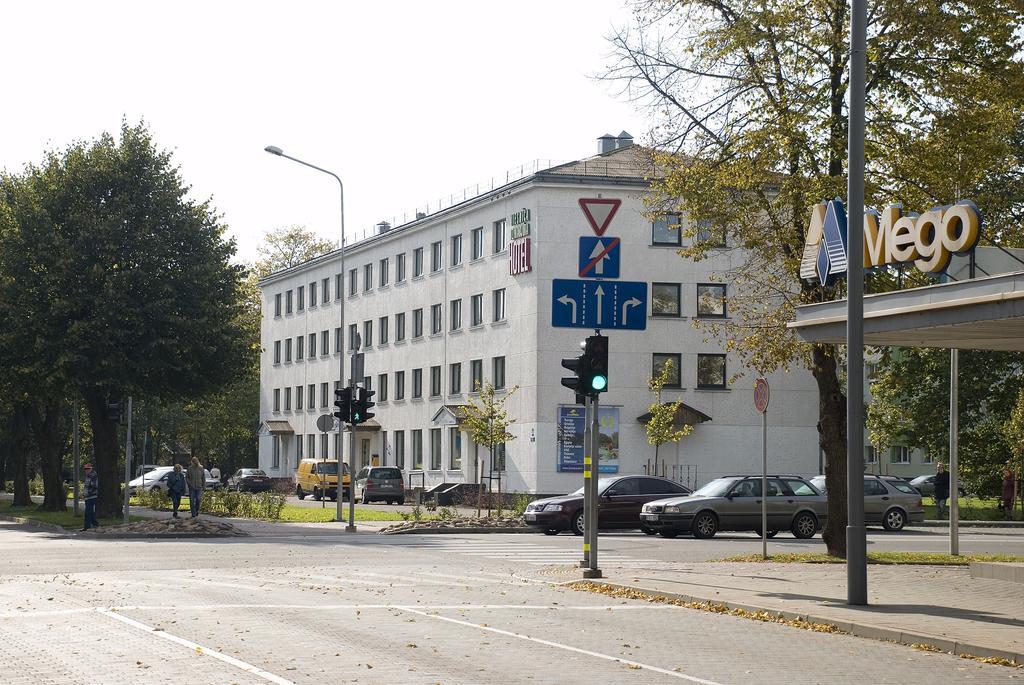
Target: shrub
446	513
520	500
35	486
417	513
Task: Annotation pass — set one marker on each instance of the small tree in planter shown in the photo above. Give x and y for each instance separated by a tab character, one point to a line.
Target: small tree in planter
661	428
487	422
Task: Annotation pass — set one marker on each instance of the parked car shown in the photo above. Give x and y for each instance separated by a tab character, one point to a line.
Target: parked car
383	483
152	480
888	500
249	480
319	477
621	500
734	503
926	485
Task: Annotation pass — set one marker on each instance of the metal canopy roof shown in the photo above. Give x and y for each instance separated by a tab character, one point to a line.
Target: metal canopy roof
980	314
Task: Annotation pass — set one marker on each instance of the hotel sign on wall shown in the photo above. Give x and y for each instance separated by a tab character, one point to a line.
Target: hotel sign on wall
519	257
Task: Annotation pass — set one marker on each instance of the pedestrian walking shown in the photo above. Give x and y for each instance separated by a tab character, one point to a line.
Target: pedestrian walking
941	489
1006	497
176	487
92	491
196	477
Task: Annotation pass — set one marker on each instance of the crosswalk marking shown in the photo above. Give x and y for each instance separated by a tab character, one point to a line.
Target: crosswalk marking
532	554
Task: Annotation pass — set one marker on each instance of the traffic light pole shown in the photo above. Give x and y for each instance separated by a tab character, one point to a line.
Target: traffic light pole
351	527
591	462
587	485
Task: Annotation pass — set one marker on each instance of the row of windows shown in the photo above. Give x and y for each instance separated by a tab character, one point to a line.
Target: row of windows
667	231
710	369
666	299
898	454
295	299
305	346
294	397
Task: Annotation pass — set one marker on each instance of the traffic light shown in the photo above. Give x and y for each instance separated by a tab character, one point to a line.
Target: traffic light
579	366
596	353
344	404
361	406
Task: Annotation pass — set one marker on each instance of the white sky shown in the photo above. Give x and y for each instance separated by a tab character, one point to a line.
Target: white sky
406	101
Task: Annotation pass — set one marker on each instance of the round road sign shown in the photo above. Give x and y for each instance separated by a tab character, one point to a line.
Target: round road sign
761	395
325	422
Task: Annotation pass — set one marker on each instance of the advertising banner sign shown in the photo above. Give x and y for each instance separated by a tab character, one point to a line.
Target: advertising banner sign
570	428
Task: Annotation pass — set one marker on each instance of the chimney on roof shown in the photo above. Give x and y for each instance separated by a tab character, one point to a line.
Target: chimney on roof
383	227
624	140
605	143
420	215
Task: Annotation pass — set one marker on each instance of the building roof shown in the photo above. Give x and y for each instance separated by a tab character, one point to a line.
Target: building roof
633	162
279	427
685	416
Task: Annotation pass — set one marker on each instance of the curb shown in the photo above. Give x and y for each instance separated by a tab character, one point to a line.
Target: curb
53	527
857	629
451	531
143	536
935	523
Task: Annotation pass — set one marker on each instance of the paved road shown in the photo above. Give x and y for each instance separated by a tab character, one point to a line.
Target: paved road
395	609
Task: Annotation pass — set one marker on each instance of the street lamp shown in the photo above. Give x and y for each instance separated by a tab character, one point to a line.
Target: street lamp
276	151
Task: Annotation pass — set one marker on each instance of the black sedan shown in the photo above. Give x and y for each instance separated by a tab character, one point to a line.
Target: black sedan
249	480
621	499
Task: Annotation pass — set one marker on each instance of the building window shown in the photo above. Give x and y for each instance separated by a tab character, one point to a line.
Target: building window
435	449
477	238
312	345
353	334
658	365
714	237
870	455
324	394
455	379
417	323
435	319
353	274
368	382
400	449
899	454
499	372
277	304
323	445
455	448
435	256
456	251
417	449
312	294
417	383
666	230
325	343
499	304
277	399
384	272
298	450
711	300
298	397
337	340
476	309
498	457
456	314
382	387
664	299
399	267
498	236
288	302
927	458
368	334
417	262
276	452
300	348
435	381
400	327
277	351
382	330
367	277
288	398
399	385
476	375
287	350
327	289
301	298
710	370
311	395
311	438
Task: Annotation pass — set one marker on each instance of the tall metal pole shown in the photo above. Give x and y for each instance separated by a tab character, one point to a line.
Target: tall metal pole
593	571
856	533
127	458
764	485
587	484
954	448
351	527
76	449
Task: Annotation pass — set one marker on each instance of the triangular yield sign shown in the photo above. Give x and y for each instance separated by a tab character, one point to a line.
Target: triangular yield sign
599	212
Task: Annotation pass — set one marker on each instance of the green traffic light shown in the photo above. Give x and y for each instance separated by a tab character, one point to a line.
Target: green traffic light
599	382
355	418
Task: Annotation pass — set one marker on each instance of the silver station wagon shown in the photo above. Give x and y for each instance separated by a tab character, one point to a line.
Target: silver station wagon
734	503
888	500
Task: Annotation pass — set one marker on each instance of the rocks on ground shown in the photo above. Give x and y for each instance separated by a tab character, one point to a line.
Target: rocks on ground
198	527
458	522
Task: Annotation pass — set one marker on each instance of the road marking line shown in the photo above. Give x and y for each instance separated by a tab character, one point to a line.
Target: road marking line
237	663
559	645
367	607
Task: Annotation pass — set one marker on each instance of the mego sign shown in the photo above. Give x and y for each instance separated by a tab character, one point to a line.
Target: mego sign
890	237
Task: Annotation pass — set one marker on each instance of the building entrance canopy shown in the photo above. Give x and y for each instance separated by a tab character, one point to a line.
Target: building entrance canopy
979	314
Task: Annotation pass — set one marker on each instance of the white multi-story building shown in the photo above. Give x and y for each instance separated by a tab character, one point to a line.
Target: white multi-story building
463	296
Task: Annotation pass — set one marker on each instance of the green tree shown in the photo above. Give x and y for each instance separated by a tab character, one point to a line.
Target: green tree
661	428
486	420
751	132
122	283
287	247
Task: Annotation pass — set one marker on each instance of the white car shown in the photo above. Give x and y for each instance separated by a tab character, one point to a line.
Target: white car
157	480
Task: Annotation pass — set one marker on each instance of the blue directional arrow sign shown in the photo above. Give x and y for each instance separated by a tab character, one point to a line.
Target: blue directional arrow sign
613	305
600	257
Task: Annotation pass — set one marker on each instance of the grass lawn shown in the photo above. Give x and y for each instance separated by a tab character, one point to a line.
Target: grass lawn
971	509
891	558
66	519
296	514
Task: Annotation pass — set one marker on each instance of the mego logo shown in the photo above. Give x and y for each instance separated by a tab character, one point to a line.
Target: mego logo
890	237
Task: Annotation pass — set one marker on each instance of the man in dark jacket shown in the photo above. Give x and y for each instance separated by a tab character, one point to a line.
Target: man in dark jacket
176	487
92	491
941	489
196	478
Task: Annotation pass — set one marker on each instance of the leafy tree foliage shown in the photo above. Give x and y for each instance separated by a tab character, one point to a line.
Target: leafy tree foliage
662	426
752	131
286	247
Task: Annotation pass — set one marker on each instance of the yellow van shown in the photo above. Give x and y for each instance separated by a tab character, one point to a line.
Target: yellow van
319	477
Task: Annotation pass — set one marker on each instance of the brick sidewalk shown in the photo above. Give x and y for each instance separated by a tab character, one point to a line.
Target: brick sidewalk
937	605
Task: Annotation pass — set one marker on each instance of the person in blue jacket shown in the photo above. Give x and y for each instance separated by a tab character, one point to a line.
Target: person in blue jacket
176	487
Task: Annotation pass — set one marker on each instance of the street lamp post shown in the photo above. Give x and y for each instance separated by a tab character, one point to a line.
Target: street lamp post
274	150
